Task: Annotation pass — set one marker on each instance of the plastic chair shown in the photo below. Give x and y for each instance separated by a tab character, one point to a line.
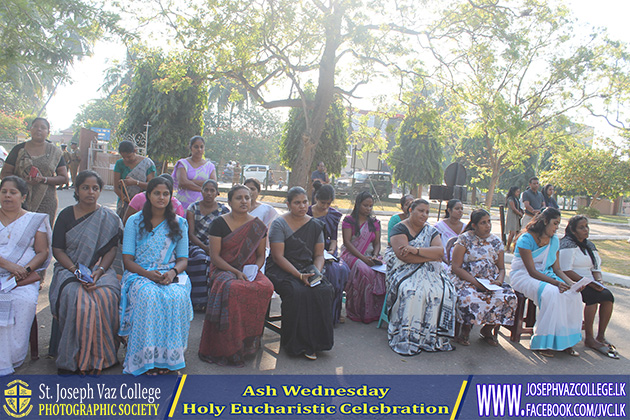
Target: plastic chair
383	316
524	318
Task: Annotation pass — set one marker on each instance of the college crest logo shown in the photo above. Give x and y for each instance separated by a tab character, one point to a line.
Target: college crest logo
17	397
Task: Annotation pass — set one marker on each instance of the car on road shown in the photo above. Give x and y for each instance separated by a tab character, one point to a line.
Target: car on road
377	183
256	171
3	155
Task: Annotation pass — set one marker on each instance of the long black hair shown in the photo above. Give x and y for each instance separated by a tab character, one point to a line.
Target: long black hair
538	223
361	197
569	231
175	233
475	218
512	193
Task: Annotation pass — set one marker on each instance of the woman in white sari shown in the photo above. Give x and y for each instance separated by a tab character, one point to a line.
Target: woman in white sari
536	274
24	250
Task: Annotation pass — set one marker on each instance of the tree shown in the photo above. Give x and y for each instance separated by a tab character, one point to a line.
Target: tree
285	43
11	127
173	109
107	111
333	141
40	41
592	172
511	68
417	156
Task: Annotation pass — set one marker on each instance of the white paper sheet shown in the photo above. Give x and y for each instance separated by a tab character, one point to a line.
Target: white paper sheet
486	283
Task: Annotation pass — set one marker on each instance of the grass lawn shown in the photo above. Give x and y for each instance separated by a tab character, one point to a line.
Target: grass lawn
615	256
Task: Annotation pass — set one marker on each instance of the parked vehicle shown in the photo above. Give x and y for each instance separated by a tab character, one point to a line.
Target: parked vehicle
256	171
3	155
378	183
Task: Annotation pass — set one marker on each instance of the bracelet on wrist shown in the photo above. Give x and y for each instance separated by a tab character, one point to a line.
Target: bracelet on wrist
175	270
101	268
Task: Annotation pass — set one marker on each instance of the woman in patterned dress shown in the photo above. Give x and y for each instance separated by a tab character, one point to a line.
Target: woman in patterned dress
135	171
190	173
478	255
200	216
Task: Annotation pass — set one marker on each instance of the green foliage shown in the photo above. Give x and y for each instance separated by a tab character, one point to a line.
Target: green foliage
40	41
243	147
333	142
173	109
590	212
417	156
591	172
11	126
103	112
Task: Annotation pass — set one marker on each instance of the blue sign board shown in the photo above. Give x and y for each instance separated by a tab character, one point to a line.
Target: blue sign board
103	133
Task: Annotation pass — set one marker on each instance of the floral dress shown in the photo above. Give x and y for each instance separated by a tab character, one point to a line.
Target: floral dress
474	307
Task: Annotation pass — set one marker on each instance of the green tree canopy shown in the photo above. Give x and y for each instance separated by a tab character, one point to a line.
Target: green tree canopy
173	109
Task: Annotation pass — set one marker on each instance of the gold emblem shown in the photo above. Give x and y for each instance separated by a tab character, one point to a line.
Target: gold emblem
17	397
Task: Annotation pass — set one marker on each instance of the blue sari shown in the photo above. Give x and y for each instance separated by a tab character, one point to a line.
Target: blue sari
155	317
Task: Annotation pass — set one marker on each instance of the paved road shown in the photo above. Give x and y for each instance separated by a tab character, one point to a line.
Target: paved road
363	349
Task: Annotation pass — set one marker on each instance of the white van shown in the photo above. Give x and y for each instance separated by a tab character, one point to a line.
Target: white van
258	172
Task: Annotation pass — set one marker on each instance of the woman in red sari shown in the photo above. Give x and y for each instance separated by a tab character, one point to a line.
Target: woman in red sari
240	293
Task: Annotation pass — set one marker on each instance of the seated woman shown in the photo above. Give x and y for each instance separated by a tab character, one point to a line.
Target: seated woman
451	226
536	274
137	203
24	253
297	242
201	215
263	211
365	290
87	312
579	258
478	255
405	202
421	298
135	171
155	306
238	301
190	173
336	272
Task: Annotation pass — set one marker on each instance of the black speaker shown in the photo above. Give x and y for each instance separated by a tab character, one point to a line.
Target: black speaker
461	193
440	192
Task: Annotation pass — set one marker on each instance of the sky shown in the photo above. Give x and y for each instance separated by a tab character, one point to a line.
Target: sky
87	74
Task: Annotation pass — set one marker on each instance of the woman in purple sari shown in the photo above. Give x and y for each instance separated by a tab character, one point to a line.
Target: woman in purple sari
361	248
337	272
190	173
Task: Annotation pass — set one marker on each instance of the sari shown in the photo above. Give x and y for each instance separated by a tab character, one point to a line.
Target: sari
41	198
265	212
87	339
235	317
447	233
187	197
307	324
337	272
18	305
474	307
139	173
155	317
365	289
198	260
420	302
559	318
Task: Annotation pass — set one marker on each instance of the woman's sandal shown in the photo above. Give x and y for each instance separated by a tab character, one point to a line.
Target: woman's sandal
608	350
462	340
571	352
547	353
490	340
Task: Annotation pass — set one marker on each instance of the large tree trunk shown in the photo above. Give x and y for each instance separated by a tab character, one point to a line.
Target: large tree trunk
494	179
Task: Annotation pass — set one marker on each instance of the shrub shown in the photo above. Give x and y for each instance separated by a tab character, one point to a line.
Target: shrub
590	212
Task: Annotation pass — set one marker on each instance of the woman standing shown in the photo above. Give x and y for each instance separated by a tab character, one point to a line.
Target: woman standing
336	272
135	171
547	193
297	244
365	290
514	215
579	258
478	256
536	273
405	202
155	305
451	226
421	299
237	302
200	216
88	234
263	211
190	173
41	165
24	251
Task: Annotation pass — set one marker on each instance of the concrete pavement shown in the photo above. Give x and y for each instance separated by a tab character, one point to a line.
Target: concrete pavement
363	349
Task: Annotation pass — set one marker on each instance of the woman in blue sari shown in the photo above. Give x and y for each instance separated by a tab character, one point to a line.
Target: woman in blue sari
337	272
155	304
536	273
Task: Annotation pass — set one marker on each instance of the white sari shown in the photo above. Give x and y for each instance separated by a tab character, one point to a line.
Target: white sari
18	306
559	316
